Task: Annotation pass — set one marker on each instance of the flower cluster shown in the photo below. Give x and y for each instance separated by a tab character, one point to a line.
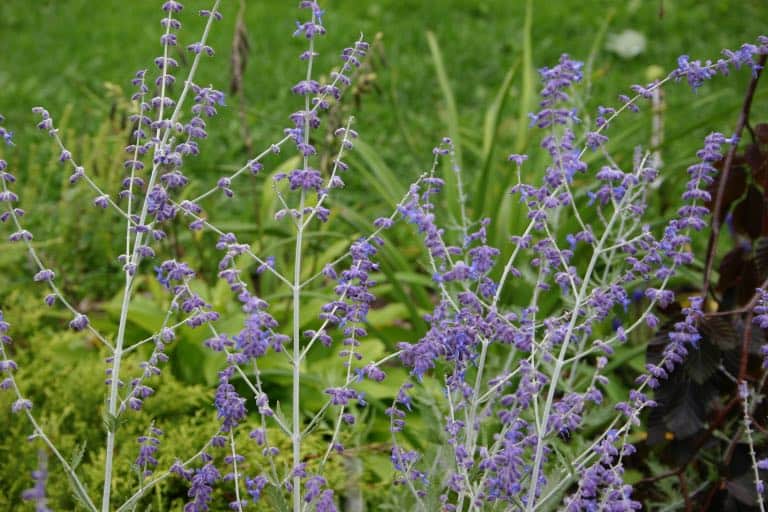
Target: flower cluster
546	348
37	493
148	445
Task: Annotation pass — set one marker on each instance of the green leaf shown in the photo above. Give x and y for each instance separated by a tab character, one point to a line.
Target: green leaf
192	362
526	101
450	190
332	252
269	202
77	457
385	183
77	494
490	134
143	311
275	496
110	422
527	90
387	315
414	278
386	389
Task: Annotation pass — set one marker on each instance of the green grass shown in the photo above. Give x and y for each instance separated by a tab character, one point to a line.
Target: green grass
460	68
62	53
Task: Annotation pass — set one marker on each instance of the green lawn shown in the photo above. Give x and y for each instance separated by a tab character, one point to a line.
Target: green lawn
61	52
76	57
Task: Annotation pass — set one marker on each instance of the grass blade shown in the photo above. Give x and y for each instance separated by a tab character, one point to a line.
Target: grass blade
490	134
451	190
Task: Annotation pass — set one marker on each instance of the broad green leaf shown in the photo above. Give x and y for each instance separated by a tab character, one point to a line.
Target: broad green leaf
387	315
142	311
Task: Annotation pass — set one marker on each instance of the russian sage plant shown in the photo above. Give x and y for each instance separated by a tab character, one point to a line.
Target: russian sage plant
517	376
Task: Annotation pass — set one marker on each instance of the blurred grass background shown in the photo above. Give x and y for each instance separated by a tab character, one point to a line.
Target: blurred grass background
76	58
474	78
60	53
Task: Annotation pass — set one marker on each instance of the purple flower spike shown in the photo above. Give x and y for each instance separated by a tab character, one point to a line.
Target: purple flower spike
37	493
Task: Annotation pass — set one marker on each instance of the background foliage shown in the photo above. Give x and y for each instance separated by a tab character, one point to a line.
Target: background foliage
463	68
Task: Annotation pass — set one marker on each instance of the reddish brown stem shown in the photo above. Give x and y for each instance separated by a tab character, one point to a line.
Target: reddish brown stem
757	425
746	340
740	311
711	494
662	476
684	492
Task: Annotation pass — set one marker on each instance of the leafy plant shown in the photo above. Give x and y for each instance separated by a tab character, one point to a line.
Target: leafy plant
708	425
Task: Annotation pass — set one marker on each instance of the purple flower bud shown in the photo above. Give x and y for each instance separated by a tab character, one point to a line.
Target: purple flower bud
101	201
79	323
22	404
44	275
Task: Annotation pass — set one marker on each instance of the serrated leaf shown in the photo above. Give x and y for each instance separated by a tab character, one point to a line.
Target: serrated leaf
742	488
77	456
701	364
110	422
684	415
720	331
748	214
276	498
761	258
77	494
